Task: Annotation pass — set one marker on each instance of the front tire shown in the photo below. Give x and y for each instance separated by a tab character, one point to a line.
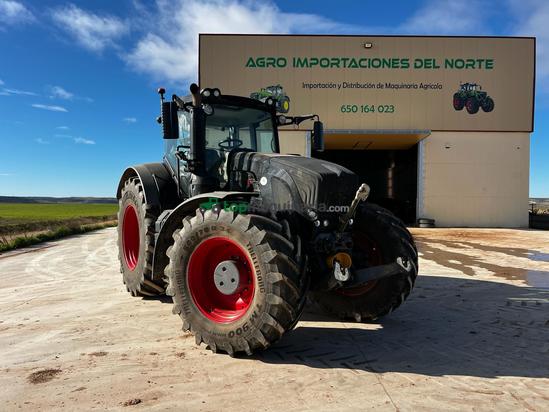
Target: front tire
136	240
258	299
488	105
379	238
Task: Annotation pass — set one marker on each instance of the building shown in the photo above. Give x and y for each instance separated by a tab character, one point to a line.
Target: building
438	126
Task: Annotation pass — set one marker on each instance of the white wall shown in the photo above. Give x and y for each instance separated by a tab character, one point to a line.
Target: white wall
474	179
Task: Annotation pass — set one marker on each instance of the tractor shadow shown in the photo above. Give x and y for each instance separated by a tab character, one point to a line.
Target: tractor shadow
449	326
159	298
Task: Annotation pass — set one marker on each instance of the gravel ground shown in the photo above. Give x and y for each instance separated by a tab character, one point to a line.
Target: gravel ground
474	335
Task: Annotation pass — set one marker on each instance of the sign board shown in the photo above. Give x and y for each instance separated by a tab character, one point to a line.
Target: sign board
381	82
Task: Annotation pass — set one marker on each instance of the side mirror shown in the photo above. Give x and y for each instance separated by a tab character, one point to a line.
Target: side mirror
318	136
169	120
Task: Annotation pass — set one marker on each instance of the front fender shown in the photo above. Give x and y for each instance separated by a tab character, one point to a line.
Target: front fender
171	220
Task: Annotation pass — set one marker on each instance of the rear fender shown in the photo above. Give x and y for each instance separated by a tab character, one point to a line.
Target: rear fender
171	220
159	187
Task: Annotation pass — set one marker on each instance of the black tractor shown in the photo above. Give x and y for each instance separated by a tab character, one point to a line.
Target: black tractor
242	236
471	96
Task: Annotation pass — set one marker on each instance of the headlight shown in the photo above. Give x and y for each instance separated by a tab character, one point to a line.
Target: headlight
311	214
216	92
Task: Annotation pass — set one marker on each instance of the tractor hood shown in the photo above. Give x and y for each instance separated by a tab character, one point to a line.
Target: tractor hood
289	182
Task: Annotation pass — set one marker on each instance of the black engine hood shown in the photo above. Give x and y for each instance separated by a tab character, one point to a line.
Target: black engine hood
296	182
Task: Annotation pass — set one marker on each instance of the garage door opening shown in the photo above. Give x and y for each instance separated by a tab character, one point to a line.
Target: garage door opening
391	174
386	160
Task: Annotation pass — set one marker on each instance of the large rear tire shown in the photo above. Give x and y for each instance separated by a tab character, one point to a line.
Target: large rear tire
472	105
379	237
283	104
136	222
235	280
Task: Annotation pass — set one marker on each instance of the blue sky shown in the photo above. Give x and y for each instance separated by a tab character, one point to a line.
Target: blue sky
78	79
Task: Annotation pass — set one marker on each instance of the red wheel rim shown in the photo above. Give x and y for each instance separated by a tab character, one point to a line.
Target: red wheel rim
375	258
130	237
215	305
457	102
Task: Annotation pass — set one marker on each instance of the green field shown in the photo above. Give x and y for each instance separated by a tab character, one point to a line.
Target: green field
24	224
15	213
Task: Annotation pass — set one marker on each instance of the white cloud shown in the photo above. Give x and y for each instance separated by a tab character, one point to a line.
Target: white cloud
13	12
93	31
171	55
129	120
6	174
532	20
57	92
41	141
62	127
50	108
448	17
1	82
9	92
81	140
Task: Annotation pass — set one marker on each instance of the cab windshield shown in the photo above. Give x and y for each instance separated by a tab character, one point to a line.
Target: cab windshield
237	127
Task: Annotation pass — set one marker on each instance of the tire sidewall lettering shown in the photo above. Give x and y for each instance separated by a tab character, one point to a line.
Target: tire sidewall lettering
243	327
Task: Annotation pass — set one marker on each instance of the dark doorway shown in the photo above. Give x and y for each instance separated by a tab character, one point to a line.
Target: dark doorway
391	174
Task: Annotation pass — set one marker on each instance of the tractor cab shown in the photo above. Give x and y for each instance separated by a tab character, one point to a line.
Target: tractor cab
205	130
275	90
470	87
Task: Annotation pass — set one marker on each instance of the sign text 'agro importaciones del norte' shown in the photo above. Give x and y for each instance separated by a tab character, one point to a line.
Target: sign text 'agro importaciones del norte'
388	82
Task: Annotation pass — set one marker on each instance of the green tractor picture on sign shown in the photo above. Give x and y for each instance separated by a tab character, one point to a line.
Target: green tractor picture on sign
471	96
276	93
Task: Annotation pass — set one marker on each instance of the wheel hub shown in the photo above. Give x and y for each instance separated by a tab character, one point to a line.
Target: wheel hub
221	279
130	237
227	277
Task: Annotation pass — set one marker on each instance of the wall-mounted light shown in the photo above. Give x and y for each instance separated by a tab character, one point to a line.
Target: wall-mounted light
367	45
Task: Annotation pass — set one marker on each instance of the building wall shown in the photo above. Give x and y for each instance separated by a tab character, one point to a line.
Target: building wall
295	142
474	179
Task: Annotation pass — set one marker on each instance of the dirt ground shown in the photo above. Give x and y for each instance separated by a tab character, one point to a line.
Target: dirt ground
474	335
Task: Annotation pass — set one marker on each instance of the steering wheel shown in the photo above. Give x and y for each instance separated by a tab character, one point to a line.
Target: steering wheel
230	144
